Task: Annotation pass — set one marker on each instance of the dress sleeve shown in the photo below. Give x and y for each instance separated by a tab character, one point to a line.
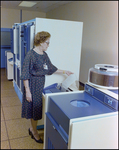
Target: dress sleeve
52	68
26	68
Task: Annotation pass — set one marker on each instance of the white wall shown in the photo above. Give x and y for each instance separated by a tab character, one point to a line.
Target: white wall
100	31
11	16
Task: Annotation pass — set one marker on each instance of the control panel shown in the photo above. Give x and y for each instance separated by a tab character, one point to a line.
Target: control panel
111	102
104	98
89	89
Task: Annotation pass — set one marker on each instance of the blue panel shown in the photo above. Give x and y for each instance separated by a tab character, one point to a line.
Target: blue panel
111	102
18	51
102	97
55	111
51	86
50	145
40	127
49	89
89	89
99	95
13	42
18	92
25	44
6	47
5	29
63	134
14	69
11	30
22	43
53	90
28	38
18	79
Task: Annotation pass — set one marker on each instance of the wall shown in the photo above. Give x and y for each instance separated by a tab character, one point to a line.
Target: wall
100	31
11	16
28	15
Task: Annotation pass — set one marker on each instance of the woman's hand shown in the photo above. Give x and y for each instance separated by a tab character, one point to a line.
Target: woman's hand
64	72
27	89
68	72
28	96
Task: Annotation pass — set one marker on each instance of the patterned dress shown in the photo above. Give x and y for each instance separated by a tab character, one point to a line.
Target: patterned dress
34	69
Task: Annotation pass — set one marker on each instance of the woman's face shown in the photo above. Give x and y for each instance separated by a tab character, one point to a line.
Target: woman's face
45	44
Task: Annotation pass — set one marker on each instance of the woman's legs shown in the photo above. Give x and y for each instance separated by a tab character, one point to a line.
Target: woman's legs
33	129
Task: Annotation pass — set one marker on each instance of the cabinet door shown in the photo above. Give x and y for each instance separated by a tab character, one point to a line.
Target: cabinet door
54	140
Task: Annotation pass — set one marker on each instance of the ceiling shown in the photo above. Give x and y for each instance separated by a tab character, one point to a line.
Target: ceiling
41	6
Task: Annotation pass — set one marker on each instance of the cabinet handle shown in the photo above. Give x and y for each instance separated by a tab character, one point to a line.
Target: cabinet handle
54	128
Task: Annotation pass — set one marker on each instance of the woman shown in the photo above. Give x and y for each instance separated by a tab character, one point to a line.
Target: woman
35	66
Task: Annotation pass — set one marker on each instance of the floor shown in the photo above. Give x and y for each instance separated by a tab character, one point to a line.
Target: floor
14	129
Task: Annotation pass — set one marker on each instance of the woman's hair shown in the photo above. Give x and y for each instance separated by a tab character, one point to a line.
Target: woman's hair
41	37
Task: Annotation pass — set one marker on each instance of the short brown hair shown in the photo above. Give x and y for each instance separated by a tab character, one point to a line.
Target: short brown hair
41	37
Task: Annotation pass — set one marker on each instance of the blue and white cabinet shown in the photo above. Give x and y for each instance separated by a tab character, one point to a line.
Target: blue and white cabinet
21	45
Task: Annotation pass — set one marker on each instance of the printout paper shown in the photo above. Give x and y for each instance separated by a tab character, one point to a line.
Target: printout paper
69	80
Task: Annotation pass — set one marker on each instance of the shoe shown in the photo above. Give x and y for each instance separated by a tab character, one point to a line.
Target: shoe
32	136
38	141
30	133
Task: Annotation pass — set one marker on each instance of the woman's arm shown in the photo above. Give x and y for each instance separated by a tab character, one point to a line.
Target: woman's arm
64	72
27	89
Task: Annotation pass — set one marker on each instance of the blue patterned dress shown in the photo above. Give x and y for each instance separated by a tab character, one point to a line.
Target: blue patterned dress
34	69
